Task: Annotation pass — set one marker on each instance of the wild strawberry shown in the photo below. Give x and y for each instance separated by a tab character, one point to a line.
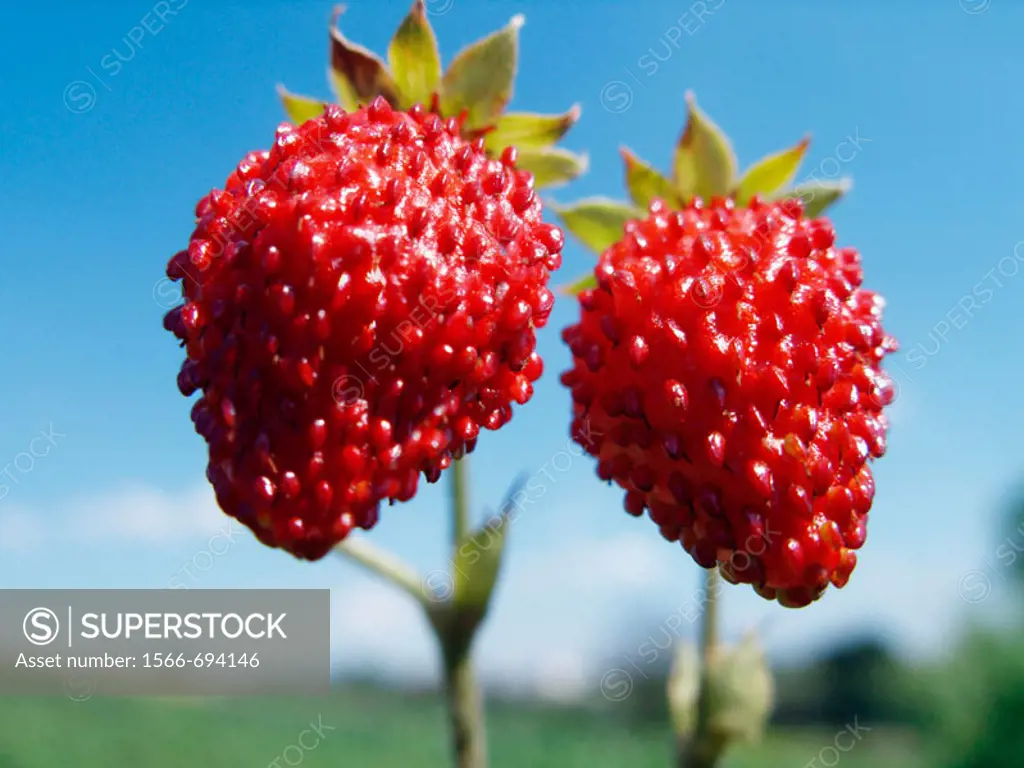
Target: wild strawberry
728	360
360	301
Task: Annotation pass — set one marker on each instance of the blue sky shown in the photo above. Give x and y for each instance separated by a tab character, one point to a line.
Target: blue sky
919	103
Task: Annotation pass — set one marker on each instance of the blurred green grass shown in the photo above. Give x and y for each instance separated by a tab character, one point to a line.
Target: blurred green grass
373	728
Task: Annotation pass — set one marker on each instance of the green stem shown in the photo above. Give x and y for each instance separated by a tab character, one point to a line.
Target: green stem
460	500
709	621
454	628
465	701
702	750
465	709
384	564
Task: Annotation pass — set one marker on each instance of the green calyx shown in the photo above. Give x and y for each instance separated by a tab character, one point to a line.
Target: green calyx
740	694
475	89
704	165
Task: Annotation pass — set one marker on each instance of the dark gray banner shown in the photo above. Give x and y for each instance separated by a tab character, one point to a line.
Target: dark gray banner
82	643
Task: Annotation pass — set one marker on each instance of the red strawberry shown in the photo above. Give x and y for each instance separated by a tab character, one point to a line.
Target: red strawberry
728	361
362	300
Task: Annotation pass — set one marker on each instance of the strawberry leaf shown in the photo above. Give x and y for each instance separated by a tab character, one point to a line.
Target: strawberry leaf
358	75
299	108
705	164
818	195
529	131
771	173
644	183
597	222
479	80
414	58
551	166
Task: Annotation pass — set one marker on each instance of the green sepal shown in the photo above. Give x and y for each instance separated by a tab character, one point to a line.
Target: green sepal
644	183
705	164
740	693
475	90
357	74
414	59
477	562
479	80
683	686
551	166
526	130
596	221
817	195
299	108
342	90
770	174
579	285
746	692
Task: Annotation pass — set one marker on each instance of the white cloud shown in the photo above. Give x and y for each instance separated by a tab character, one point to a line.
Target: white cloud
140	513
633	562
135	512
